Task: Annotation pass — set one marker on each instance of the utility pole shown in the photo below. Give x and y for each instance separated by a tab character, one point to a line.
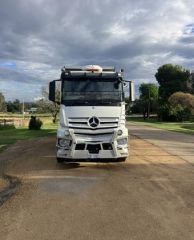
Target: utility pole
23	112
23	108
148	102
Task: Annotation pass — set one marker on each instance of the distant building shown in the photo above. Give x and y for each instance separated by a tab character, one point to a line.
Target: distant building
32	110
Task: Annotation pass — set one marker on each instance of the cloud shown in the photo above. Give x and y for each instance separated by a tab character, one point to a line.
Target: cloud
41	36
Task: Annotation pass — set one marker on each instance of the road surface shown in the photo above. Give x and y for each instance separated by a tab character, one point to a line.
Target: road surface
148	197
177	144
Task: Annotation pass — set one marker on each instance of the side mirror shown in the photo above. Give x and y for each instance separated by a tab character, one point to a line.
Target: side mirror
131	91
124	84
52	91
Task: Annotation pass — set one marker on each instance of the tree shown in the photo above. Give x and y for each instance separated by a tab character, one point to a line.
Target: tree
14	106
3	107
171	79
136	107
184	99
182	105
45	106
148	98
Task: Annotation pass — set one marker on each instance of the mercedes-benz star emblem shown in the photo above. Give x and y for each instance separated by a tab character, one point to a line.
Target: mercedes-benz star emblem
93	122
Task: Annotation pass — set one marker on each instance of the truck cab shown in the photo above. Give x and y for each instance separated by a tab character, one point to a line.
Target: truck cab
92	114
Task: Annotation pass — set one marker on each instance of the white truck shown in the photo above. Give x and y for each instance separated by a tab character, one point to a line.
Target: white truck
92	114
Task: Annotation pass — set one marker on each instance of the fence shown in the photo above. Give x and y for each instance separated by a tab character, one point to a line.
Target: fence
6	122
14	122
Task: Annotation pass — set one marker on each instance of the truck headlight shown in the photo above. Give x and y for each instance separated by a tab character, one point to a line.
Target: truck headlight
120	132
122	141
65	143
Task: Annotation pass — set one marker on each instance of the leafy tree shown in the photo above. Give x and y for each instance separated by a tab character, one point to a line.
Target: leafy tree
46	106
14	106
192	82
136	106
148	98
3	107
184	99
171	79
182	105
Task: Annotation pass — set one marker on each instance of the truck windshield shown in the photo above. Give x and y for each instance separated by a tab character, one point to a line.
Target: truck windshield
92	91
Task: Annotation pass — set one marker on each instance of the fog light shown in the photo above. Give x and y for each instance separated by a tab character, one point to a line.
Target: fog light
122	141
120	132
66	133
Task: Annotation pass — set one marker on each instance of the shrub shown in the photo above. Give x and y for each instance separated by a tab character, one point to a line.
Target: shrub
180	113
182	106
6	127
35	124
185	100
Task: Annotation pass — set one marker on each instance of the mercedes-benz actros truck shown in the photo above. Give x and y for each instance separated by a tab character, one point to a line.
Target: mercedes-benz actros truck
92	114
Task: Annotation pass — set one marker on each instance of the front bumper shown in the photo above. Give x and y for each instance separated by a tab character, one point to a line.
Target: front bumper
94	149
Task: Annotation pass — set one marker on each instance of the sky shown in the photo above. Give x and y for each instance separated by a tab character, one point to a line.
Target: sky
39	37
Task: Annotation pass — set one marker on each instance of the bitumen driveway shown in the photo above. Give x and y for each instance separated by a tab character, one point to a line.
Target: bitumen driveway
177	144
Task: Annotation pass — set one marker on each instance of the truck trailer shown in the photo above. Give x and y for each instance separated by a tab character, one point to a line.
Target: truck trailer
92	114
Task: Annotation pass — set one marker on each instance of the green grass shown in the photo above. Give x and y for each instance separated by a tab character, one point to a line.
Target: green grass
20	115
10	135
186	127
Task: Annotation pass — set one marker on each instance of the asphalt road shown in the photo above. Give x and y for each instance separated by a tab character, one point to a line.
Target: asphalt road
177	144
148	197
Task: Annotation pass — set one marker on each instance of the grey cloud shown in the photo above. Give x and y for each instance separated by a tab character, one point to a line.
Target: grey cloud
16	76
187	40
184	51
135	35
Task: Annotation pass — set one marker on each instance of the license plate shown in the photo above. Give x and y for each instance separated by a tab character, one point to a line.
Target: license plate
93	156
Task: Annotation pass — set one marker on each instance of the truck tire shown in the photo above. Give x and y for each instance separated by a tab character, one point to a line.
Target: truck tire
60	160
123	159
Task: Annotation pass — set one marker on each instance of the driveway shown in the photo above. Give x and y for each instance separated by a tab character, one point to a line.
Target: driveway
177	144
148	197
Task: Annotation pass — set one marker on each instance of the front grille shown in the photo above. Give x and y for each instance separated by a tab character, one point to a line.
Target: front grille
80	146
93	148
89	134
82	123
93	129
93	137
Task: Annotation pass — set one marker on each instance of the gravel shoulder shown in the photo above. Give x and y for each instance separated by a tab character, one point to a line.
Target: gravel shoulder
3	184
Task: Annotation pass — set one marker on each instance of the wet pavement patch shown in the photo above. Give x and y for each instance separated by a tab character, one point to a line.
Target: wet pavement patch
72	186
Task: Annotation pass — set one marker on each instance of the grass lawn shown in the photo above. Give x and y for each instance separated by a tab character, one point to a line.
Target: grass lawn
19	115
9	136
186	127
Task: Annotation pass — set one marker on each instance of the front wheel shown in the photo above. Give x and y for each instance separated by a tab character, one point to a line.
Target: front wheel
123	159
